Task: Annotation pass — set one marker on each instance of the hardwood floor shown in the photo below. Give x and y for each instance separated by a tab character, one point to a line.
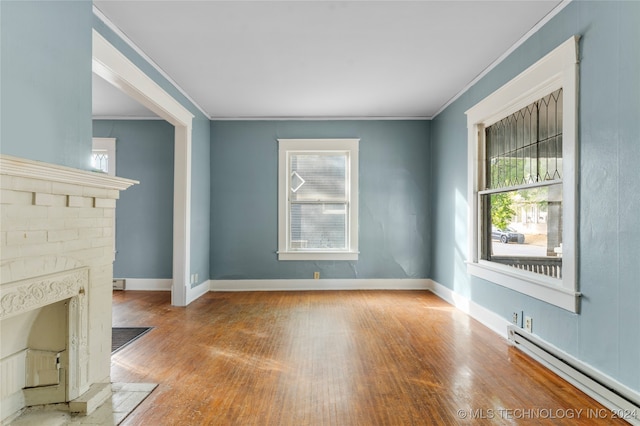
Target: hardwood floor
332	358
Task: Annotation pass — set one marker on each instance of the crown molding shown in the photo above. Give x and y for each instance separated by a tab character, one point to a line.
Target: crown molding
113	27
541	23
297	118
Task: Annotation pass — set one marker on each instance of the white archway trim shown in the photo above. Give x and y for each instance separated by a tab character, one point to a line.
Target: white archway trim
110	64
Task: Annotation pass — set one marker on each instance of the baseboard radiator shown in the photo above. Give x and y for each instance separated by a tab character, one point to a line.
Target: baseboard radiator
622	401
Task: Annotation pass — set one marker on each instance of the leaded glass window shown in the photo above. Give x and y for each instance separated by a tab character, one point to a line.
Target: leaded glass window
526	147
100	160
522	196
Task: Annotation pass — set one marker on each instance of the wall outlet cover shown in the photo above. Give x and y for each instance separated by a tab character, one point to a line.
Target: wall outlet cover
528	324
516	318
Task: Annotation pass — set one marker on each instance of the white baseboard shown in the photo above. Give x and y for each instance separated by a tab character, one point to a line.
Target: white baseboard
321	284
487	317
198	291
148	284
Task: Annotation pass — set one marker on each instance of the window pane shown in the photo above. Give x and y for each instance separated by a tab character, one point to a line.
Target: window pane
526	147
317	177
321	226
524	229
100	160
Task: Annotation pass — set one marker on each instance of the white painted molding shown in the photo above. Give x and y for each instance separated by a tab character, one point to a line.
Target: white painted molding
485	316
505	55
557	69
101	16
14	166
126	117
110	64
538	287
33	293
117	69
327	118
148	284
322	284
181	216
198	291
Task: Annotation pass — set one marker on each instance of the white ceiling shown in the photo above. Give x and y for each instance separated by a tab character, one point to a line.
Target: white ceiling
318	59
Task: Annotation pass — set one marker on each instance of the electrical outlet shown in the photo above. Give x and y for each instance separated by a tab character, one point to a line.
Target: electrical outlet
516	318
528	324
316	275
197	280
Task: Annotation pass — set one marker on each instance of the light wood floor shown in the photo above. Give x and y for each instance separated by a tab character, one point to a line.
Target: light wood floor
332	358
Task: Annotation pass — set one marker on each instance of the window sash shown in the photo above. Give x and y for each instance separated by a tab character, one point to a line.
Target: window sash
316	236
519	150
328	186
525	146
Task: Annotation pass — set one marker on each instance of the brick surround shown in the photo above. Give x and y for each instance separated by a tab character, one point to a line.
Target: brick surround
56	256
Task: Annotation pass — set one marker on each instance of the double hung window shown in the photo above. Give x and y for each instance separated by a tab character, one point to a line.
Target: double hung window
522	181
521	199
318	209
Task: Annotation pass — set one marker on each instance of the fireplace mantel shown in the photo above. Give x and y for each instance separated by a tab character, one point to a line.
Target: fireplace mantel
56	246
15	166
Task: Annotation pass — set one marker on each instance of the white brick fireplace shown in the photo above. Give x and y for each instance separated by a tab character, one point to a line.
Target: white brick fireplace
56	255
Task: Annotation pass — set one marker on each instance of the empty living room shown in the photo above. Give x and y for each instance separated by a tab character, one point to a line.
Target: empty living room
319	212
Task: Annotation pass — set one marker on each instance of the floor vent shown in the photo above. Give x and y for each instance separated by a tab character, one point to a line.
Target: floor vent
620	400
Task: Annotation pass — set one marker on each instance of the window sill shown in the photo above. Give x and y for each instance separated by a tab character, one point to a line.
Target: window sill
317	255
527	283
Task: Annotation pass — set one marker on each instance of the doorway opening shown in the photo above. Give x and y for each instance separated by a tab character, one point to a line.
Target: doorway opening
112	66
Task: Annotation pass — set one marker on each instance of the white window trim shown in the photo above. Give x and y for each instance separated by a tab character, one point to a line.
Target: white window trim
285	145
557	69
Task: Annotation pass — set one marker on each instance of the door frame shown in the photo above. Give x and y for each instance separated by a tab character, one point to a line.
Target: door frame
110	64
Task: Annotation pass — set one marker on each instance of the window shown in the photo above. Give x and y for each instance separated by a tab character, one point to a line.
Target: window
103	155
522	181
318	199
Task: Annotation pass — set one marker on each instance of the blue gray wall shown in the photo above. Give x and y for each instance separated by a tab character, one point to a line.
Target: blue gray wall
144	215
45	75
605	334
413	220
200	169
394	199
